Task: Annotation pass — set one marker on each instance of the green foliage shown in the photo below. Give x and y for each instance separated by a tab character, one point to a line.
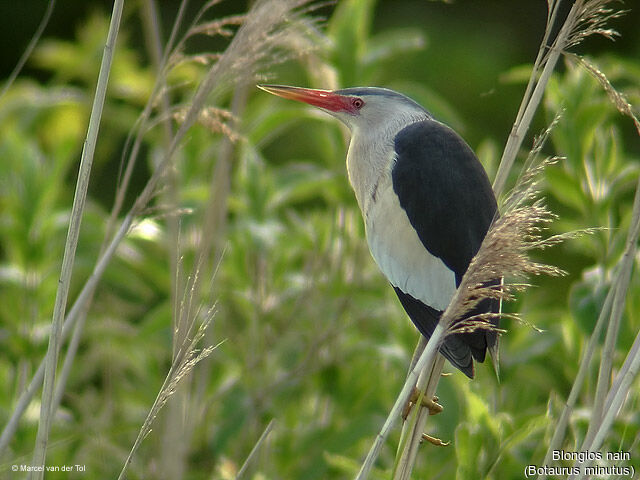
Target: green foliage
314	337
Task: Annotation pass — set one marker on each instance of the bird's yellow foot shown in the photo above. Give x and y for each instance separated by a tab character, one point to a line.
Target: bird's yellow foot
434	440
432	404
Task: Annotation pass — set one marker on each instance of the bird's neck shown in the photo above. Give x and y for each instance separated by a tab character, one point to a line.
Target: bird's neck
368	160
371	155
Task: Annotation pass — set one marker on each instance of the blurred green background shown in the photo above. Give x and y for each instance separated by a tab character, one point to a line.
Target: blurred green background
314	337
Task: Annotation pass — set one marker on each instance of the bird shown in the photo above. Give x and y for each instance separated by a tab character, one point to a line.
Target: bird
426	201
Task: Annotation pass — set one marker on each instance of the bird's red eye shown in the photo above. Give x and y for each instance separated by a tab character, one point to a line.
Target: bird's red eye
357	103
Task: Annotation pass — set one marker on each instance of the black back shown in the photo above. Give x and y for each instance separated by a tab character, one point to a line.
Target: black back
448	198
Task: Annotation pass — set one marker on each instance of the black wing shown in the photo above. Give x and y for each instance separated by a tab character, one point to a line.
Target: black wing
448	198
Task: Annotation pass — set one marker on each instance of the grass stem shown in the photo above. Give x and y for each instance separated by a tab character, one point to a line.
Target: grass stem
428	355
29	50
523	121
46	409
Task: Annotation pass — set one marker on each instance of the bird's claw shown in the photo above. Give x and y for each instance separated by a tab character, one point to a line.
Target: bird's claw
431	404
435	441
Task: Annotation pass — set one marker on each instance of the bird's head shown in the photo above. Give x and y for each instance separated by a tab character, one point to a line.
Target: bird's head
359	108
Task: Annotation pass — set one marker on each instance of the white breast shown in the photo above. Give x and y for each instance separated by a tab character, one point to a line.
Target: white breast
400	254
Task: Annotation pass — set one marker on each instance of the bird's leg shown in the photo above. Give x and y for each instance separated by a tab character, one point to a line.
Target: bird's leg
432	404
434	408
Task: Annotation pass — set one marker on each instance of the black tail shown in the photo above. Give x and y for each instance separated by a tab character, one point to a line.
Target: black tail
460	348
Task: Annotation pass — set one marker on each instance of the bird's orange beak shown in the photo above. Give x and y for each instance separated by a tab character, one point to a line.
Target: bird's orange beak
318	98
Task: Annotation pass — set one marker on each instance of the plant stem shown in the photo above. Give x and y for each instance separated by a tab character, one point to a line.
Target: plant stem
235	63
427	356
254	450
70	321
175	435
558	434
521	125
426	385
46	409
601	421
29	50
531	101
623	279
614	400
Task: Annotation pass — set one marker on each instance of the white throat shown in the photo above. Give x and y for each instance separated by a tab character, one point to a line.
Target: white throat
371	156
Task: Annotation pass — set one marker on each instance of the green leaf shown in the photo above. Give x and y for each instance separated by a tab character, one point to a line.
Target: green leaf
468	446
587	298
349	31
388	45
301	183
565	187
